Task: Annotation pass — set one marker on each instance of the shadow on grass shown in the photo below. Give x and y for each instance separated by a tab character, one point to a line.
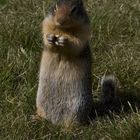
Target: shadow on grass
126	102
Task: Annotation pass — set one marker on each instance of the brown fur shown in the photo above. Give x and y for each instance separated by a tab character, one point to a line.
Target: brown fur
65	86
77	36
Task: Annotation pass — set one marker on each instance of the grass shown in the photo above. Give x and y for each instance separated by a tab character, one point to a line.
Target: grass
115	43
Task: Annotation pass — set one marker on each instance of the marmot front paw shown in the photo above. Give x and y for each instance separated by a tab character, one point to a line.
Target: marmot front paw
51	39
61	40
57	40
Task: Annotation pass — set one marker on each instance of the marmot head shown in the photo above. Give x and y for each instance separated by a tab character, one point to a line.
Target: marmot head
69	13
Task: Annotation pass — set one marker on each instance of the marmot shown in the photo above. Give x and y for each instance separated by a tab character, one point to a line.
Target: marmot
65	85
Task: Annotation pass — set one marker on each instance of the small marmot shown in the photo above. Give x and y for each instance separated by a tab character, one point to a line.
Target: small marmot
65	85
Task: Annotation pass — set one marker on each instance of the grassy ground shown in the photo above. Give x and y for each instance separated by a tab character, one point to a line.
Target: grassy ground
116	49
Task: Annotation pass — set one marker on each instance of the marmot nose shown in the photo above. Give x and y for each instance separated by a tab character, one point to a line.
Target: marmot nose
60	22
57	23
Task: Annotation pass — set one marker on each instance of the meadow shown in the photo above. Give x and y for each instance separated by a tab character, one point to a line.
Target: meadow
115	44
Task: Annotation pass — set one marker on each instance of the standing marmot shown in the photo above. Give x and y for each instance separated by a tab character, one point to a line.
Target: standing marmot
65	86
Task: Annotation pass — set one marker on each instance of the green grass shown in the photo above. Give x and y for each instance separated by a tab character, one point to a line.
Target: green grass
115	44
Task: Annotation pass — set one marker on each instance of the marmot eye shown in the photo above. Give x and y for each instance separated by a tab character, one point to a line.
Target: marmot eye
74	9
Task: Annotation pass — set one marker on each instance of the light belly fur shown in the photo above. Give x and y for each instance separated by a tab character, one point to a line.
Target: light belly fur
64	91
